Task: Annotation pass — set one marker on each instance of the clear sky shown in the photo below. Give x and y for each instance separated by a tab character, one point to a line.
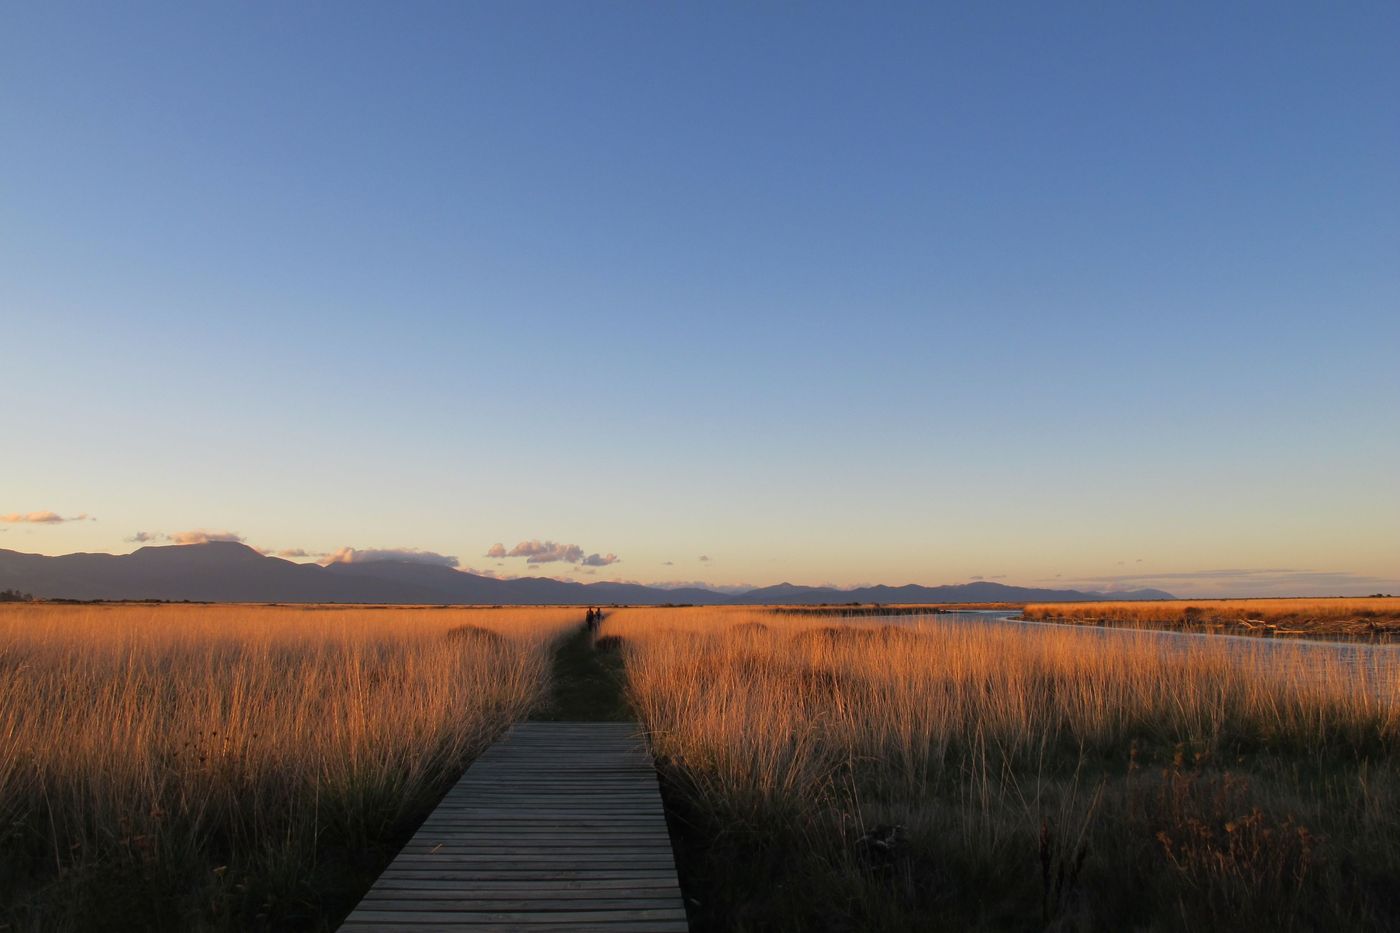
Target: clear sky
1080	294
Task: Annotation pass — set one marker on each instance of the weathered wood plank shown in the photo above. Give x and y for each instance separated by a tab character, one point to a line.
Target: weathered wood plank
466	875
525	916
437	926
557	826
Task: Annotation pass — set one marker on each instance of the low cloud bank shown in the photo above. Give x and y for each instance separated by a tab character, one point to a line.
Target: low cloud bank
350	555
731	589
290	552
201	536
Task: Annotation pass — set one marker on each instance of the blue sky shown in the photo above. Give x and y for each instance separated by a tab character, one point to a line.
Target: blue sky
1086	294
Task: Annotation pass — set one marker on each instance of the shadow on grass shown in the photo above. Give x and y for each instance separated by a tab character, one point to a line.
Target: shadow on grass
588	682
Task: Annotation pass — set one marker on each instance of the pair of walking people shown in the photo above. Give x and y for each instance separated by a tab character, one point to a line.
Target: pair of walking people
594	619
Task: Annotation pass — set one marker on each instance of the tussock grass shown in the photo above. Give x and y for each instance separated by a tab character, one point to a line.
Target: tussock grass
1353	617
237	767
965	775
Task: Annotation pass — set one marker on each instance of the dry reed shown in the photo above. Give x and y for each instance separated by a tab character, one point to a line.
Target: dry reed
1355	617
237	766
1037	775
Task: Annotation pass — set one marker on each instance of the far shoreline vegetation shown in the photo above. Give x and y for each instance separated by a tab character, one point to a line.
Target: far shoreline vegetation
1374	617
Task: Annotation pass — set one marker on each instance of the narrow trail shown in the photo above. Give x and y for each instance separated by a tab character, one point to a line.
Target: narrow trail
587	684
558	825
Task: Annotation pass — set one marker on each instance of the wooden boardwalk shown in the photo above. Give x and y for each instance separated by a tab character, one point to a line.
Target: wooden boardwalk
558	826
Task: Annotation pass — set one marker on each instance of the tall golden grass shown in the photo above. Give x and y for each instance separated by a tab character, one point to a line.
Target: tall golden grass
1340	616
237	766
1002	752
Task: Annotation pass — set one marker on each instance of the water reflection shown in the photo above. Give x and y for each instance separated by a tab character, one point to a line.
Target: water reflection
1376	666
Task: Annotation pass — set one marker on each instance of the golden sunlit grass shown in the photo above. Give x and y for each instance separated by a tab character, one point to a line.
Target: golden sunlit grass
237	766
1350	616
1037	776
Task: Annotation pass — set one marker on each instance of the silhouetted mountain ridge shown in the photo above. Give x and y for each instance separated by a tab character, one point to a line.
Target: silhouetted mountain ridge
225	571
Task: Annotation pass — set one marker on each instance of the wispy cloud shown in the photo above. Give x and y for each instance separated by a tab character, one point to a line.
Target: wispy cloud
146	537
350	555
536	551
1243	581
730	588
497	575
704	558
43	518
291	552
201	536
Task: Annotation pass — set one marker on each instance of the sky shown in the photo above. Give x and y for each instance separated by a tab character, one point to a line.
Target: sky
1073	294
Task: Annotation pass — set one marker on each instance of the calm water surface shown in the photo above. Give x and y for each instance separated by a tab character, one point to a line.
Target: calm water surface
1375	664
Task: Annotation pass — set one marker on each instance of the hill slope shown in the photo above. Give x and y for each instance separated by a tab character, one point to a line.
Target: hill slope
222	571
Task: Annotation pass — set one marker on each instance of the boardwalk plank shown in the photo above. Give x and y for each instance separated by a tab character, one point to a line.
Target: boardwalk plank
557	826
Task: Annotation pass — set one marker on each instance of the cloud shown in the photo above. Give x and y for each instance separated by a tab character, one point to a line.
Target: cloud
1246	581
546	552
669	563
494	575
43	518
200	536
300	552
350	555
145	537
536	551
705	558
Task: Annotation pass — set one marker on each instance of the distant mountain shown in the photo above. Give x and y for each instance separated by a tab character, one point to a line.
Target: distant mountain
222	571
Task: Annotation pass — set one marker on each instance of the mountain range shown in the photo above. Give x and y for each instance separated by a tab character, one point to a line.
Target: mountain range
222	571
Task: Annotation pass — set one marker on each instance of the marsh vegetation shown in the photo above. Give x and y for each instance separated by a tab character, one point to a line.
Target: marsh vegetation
243	767
949	775
237	767
1368	617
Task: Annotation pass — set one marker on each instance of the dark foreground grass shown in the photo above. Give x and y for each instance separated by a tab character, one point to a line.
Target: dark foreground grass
1164	845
